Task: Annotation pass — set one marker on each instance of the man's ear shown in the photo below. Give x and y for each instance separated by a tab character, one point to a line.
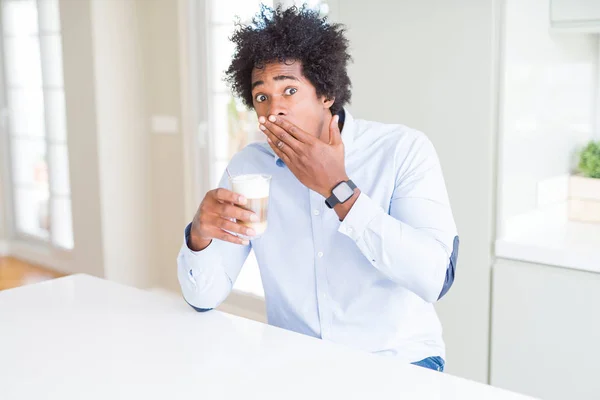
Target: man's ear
327	103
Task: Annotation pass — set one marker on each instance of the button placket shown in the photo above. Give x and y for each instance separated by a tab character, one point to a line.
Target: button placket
320	267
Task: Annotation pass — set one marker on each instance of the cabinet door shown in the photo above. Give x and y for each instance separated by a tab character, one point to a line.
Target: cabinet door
545	331
575	13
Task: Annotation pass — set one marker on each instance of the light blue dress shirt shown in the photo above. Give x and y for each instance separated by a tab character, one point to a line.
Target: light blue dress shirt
368	282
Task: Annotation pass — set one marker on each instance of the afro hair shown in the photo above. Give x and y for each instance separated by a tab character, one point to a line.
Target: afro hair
293	34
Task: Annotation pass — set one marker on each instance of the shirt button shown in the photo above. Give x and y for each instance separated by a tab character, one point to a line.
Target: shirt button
350	230
320	254
316	212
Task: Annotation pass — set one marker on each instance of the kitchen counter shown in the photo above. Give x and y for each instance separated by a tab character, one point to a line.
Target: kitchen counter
81	337
546	236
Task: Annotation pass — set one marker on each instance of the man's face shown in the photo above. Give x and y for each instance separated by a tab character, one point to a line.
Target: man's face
282	89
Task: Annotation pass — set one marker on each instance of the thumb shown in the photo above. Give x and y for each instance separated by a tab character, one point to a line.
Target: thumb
335	136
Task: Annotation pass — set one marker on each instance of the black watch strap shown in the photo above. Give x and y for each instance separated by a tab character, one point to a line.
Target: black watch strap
333	201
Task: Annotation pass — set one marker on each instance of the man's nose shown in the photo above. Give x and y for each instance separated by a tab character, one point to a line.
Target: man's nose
278	106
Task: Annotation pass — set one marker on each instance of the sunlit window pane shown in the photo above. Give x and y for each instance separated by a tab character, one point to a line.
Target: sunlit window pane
37	120
249	280
222	50
49	16
233	126
26	111
224	12
51	48
23	64
218	170
220	128
314	4
56	115
29	162
243	126
59	169
19	17
62	224
31	212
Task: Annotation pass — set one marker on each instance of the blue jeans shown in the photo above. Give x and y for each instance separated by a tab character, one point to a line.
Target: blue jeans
434	363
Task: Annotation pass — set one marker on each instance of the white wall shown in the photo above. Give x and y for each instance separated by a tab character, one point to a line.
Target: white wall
163	83
549	84
121	65
123	142
108	144
78	66
3	169
2	220
430	64
134	48
3	245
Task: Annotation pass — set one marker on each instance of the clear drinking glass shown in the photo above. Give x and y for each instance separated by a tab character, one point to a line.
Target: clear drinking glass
256	189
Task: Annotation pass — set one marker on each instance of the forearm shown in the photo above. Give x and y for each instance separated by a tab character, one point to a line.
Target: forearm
206	277
203	288
411	257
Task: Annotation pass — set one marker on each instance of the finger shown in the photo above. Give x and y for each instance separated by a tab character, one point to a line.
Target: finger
220	234
292	129
270	135
226	210
228	196
335	136
280	144
282	135
230	226
279	152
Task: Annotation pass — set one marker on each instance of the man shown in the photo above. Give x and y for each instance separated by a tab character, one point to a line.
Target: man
363	273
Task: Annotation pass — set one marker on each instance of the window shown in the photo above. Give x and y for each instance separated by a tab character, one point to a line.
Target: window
35	121
231	125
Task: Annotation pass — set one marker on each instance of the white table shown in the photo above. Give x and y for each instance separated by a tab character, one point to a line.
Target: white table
81	337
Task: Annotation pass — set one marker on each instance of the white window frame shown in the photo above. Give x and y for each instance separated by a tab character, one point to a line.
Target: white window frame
20	244
201	141
198	141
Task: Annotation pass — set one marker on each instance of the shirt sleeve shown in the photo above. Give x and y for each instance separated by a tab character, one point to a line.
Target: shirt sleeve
415	242
206	277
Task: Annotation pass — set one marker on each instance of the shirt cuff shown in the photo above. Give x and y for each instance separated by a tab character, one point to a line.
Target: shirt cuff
198	266
360	216
186	237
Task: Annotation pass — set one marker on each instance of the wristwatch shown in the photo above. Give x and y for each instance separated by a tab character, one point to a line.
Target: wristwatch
341	193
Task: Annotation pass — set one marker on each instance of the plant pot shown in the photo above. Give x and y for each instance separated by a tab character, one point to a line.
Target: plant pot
584	199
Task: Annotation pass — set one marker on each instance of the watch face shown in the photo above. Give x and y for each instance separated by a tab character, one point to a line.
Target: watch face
343	192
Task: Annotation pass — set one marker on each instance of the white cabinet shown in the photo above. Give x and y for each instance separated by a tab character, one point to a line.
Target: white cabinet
545	331
577	15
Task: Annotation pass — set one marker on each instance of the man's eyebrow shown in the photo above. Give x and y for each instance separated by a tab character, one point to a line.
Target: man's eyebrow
284	77
257	83
276	78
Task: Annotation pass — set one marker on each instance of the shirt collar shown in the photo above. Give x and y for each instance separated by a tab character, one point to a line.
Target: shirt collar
347	136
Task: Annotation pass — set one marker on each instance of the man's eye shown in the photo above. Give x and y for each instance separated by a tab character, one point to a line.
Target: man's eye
290	91
260	98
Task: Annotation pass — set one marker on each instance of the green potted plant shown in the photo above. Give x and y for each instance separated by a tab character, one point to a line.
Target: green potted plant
584	188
